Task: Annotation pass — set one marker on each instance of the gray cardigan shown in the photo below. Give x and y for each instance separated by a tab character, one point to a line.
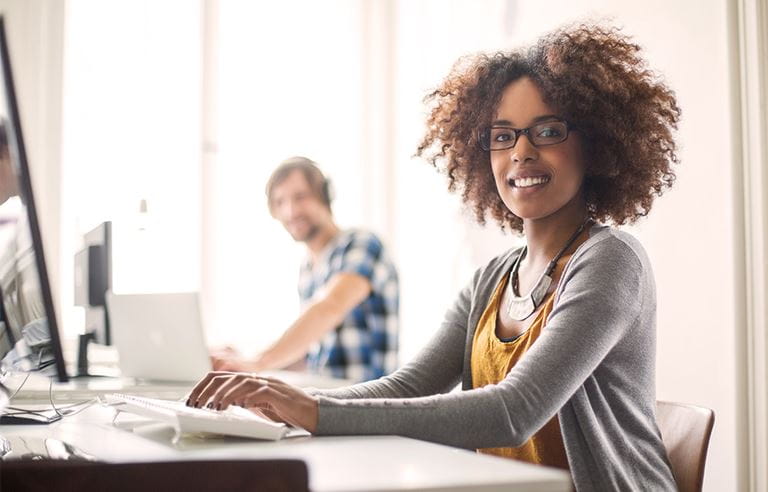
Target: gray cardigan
592	365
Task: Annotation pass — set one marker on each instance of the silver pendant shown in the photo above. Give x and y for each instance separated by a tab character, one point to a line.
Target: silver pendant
520	308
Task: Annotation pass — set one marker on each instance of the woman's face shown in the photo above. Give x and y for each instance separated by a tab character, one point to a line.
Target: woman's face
535	182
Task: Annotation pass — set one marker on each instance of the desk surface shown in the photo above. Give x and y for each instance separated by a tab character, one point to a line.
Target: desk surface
36	388
341	463
361	463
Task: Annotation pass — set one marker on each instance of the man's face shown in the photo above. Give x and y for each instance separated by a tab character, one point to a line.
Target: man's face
8	181
300	211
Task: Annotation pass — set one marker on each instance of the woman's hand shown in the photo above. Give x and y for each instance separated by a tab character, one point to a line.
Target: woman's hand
276	399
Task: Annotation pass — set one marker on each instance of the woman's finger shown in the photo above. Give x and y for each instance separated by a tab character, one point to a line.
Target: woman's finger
212	387
201	385
234	386
235	393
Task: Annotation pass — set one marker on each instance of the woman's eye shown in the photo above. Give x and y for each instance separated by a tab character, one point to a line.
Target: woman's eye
548	132
502	137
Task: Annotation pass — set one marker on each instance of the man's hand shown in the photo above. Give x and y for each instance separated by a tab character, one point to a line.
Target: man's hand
236	364
227	358
224	350
338	297
278	400
331	305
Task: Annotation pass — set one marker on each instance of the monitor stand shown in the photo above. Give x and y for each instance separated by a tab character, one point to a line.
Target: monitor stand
82	357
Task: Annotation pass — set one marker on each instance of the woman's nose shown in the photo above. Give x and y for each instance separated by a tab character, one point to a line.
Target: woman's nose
524	150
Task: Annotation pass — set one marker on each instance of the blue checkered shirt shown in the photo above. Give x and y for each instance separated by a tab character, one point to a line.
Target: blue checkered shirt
364	345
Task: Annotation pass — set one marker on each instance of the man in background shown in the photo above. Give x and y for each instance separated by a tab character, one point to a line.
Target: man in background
348	287
8	180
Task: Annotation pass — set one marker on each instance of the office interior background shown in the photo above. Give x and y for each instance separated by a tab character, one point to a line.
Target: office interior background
187	106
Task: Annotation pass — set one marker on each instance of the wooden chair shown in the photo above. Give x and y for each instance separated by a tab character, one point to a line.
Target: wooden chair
685	430
186	476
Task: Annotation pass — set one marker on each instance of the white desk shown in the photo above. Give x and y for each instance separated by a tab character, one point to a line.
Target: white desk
359	463
36	387
355	463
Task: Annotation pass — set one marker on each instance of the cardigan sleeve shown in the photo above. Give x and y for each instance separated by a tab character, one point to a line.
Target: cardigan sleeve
600	297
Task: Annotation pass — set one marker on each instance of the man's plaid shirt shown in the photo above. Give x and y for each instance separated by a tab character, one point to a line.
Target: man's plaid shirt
364	346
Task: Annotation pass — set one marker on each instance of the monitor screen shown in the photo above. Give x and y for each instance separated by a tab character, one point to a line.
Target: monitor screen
93	278
29	337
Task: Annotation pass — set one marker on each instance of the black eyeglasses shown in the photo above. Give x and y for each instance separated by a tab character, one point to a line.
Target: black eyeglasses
541	134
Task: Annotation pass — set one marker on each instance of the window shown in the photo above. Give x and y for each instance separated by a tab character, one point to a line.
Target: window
132	132
286	84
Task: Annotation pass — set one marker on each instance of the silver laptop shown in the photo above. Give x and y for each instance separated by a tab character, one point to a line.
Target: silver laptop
159	337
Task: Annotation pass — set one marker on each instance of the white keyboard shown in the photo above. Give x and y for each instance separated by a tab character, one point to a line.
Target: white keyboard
234	421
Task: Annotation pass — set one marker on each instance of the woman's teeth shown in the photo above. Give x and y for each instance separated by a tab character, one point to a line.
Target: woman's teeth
526	182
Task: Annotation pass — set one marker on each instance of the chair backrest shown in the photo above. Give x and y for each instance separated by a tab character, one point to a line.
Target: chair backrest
188	476
685	430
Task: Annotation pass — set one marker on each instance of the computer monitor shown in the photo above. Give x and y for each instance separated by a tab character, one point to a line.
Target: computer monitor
29	336
93	278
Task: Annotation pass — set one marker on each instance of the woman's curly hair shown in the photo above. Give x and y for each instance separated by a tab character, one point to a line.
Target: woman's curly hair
596	80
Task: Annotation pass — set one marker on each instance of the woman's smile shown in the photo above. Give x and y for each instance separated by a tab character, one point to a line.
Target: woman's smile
535	181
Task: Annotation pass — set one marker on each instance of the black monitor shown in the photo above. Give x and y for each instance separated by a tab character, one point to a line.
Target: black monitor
29	336
93	278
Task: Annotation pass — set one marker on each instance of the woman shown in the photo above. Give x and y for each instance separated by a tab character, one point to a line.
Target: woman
554	343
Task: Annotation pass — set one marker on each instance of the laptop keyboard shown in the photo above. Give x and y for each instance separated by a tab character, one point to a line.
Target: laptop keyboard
234	421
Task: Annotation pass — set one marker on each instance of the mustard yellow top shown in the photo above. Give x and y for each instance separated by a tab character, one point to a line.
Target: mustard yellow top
492	360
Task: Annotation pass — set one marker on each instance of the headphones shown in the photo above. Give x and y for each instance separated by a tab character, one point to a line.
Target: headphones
326	189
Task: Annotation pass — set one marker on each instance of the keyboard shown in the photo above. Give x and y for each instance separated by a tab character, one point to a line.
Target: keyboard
234	421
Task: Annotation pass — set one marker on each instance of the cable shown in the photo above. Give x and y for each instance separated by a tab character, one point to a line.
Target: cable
60	413
22	411
65	407
50	398
20	386
46	364
29	373
86	403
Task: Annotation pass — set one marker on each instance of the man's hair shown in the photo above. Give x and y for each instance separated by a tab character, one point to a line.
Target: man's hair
318	183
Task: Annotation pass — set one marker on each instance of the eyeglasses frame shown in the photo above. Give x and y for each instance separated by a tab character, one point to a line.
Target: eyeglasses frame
523	131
